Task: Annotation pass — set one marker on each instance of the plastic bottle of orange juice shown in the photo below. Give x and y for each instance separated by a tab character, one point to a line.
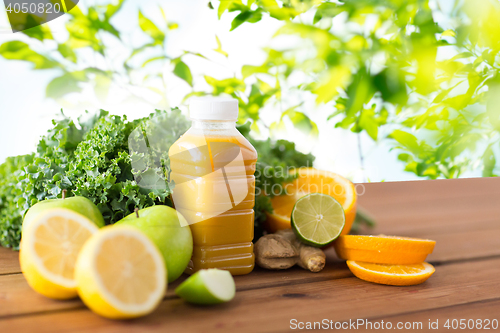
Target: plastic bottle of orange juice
213	168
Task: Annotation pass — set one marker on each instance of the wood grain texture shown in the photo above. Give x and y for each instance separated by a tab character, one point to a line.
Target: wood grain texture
16	297
403	192
436	214
271	309
9	261
19	299
474	310
463	216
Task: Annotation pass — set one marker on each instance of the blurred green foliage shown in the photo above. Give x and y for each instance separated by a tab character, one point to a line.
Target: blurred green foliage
384	67
85	57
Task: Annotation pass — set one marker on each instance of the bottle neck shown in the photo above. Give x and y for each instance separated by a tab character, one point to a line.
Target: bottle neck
213	124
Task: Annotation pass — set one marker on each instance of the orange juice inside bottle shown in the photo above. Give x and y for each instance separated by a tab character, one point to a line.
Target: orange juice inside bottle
213	166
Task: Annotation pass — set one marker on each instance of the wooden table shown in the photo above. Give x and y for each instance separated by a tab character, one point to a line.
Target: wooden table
463	216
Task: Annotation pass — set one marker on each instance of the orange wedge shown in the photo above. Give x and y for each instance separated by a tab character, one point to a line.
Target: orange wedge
311	180
394	275
384	249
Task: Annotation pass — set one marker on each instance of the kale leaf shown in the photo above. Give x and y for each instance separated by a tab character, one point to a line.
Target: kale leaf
89	157
102	169
10	213
120	165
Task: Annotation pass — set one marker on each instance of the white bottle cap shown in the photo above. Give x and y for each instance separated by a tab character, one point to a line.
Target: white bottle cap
213	108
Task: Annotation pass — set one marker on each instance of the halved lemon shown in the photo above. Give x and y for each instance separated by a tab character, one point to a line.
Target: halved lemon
394	275
311	180
50	246
383	249
120	273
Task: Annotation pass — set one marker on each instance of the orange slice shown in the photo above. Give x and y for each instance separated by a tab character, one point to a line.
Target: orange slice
384	249
394	275
311	180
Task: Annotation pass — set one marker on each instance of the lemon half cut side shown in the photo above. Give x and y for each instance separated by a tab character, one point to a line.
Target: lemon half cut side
49	249
120	273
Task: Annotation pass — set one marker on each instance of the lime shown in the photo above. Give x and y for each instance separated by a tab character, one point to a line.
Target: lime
208	286
317	219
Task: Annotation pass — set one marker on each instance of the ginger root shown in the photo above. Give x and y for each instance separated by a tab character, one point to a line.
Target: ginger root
283	250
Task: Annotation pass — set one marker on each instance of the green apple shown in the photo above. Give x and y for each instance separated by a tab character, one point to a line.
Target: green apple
80	205
170	232
207	287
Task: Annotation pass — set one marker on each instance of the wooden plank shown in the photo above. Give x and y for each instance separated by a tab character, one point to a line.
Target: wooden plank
456	246
261	278
453	243
272	309
16	297
9	261
421	190
483	206
425	228
19	299
466	245
436	215
424	219
481	310
449	247
465	228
